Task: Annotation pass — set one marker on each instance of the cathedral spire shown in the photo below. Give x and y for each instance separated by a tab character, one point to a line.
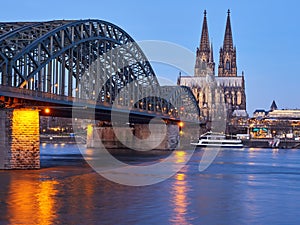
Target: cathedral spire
228	42
204	61
227	62
204	42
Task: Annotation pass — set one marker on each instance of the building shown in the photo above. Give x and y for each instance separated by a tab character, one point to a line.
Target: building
259	113
283	123
226	91
277	114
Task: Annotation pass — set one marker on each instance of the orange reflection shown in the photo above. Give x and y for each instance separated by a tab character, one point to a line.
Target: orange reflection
179	201
31	202
180	156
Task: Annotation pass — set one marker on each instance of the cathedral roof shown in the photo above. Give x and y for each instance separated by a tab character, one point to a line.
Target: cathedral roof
240	113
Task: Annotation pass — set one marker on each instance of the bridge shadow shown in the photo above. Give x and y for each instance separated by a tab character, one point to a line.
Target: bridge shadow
69	155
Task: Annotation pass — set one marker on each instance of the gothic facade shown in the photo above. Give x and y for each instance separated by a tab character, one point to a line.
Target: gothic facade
227	88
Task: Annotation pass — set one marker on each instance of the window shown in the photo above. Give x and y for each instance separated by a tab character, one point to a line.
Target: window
227	65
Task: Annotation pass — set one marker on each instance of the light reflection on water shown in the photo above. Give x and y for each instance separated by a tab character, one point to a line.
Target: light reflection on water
257	186
32	202
179	199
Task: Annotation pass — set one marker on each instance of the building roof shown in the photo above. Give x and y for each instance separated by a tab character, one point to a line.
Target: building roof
284	113
220	81
240	113
259	110
273	106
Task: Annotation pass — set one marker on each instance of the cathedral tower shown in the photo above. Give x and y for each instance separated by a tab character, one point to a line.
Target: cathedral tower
215	94
227	62
204	56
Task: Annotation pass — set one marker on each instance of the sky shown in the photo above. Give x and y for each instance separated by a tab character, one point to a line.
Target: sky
265	32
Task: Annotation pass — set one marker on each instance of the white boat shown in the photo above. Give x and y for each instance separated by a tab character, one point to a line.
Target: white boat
211	139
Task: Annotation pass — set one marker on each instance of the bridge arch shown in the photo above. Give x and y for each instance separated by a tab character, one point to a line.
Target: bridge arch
68	48
86	59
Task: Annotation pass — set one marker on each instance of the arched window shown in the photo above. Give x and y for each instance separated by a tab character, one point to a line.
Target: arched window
227	65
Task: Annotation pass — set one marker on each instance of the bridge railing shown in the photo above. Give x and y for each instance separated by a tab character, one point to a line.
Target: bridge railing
46	98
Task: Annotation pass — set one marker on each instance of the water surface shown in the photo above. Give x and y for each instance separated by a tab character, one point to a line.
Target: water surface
252	186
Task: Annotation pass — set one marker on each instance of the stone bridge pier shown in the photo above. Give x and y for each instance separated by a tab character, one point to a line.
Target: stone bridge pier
122	137
19	139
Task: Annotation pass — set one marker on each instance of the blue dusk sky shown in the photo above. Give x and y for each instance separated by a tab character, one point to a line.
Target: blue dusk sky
266	34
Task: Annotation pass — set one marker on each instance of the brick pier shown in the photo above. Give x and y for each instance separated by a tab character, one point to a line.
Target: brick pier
19	139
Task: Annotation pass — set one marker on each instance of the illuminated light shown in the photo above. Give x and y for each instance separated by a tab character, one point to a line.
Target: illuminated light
181	124
47	110
56	85
21	119
89	132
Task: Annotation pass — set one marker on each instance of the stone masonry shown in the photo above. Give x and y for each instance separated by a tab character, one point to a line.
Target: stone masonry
105	136
19	138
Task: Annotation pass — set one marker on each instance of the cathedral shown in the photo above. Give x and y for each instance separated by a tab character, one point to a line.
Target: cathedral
226	91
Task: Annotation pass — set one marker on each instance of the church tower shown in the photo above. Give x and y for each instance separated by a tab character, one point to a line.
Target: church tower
227	63
204	55
220	98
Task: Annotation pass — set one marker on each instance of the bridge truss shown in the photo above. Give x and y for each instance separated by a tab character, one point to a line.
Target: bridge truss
90	60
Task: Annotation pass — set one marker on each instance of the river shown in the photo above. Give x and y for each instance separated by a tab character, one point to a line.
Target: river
248	186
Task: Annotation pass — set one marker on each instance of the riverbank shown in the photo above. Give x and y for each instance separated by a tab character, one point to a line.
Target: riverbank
249	143
58	139
265	143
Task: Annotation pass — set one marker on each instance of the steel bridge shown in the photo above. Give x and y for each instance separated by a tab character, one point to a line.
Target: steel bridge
91	64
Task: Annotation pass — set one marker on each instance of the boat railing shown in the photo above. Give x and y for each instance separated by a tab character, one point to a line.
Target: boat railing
216	135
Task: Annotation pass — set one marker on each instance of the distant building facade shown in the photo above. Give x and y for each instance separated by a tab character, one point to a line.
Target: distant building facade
277	114
282	123
227	88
